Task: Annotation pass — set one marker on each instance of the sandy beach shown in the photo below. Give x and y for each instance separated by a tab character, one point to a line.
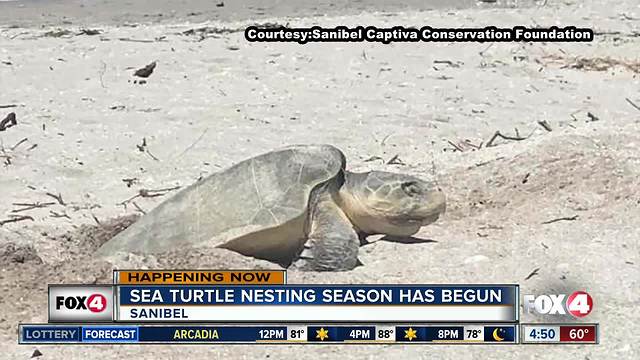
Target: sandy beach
552	205
116	12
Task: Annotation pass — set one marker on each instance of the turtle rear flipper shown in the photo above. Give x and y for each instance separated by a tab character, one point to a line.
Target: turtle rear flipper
332	243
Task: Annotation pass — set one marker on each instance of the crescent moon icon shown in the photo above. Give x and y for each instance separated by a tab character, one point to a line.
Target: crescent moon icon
497	337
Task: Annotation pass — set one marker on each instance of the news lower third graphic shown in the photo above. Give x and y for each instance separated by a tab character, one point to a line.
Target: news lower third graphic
253	306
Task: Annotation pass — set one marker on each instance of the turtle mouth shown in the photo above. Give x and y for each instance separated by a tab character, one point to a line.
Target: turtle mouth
413	220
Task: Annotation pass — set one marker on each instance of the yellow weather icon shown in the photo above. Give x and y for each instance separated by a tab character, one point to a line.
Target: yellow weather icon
410	334
496	335
322	334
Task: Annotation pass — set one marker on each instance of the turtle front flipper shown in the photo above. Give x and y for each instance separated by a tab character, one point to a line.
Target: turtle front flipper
332	243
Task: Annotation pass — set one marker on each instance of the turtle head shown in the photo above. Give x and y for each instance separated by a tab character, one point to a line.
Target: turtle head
388	203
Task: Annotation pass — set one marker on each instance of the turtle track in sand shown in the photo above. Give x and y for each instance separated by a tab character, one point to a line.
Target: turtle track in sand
577	173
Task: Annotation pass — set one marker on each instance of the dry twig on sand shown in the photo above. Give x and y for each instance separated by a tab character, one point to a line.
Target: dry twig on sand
545	125
138	207
632	104
143	148
384	140
149	193
57	197
462	146
96	219
395	160
565	218
54	214
18	144
532	274
194	143
483	51
152	156
505	137
13	218
30	206
455	146
373	158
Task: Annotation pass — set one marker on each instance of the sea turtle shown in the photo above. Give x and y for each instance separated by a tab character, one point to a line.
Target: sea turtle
293	206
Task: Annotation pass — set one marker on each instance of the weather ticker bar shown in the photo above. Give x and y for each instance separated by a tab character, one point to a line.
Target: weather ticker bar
273	334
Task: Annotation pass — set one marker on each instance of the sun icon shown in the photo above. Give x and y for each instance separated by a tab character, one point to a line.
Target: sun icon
410	334
322	334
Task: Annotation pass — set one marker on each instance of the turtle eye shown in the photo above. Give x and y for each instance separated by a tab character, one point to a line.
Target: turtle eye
411	188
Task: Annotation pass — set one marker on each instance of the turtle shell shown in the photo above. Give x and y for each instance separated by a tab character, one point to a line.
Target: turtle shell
257	207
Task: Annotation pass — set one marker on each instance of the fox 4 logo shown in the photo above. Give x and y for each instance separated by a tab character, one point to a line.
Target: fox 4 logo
579	304
95	302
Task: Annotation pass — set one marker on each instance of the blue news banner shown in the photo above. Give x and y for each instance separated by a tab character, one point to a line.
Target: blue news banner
318	295
323	303
300	303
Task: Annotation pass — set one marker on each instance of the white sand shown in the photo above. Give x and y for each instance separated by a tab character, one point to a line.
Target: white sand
214	102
